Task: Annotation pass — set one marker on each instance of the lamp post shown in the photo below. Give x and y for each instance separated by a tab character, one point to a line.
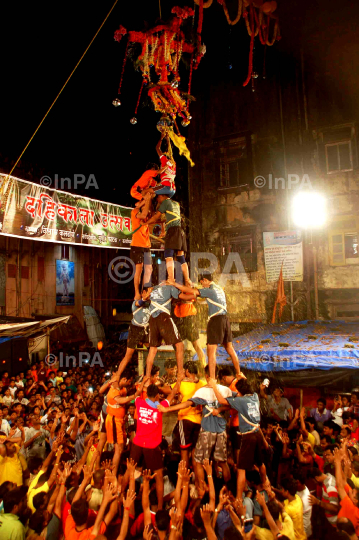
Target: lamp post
309	213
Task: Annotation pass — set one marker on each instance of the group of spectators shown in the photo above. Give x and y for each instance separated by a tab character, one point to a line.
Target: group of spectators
83	456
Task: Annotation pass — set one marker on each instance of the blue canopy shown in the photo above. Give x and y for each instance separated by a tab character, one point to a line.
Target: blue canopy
293	346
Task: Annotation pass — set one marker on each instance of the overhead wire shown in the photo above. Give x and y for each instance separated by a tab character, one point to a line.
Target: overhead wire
60	92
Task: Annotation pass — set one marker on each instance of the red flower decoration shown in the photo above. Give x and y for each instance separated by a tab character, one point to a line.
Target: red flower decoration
118	35
183	13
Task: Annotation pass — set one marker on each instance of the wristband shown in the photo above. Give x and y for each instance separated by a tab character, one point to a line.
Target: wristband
209	476
216	510
127	508
173	527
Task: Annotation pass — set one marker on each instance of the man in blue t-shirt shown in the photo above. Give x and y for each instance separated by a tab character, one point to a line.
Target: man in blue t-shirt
161	324
138	329
218	326
253	444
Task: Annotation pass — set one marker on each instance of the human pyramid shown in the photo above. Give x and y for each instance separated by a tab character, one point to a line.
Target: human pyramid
152	306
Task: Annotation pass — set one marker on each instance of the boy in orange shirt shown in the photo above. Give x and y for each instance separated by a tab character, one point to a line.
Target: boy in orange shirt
141	248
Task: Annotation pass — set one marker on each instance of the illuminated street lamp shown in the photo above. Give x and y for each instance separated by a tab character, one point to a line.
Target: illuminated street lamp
309	212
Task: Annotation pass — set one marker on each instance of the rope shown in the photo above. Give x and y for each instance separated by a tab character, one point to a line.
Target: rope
58	95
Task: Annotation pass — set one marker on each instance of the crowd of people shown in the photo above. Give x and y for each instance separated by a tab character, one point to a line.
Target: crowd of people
83	456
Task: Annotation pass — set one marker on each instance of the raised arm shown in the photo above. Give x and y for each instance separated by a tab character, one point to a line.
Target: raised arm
302	422
294	421
146	496
85	482
159	144
108	496
338	456
55	468
272	524
60	496
207	465
127	504
206	514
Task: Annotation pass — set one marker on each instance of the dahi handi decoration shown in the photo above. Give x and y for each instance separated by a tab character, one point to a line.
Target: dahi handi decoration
157	53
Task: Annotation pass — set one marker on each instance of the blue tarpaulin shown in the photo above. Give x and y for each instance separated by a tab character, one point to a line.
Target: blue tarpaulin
294	346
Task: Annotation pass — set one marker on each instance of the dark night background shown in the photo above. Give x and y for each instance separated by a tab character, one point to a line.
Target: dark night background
84	134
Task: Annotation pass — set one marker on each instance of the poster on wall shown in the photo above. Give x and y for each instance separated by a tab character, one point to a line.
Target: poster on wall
36	212
285	248
65	283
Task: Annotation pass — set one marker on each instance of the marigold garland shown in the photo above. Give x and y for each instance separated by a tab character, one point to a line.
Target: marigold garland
205	4
239	12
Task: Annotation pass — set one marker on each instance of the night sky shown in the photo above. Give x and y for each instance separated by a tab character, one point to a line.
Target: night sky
84	134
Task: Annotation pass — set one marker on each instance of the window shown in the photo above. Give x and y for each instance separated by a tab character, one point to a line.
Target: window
343	241
234	161
241	242
339	157
347	311
337	148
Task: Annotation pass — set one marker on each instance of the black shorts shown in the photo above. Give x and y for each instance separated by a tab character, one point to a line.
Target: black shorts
175	239
219	330
148	458
136	335
163	328
187	433
235	437
252	451
140	255
187	327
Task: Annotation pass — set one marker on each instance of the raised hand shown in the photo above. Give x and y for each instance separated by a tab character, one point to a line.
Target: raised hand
181	468
176	517
207	465
206	514
223	496
147	533
106	464
260	499
131	466
130	497
87	472
146	473
110	493
67	470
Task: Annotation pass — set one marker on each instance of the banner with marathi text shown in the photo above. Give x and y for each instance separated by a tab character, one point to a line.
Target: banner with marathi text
35	212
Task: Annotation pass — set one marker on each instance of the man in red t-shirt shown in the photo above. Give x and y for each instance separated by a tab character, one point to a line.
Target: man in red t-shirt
146	445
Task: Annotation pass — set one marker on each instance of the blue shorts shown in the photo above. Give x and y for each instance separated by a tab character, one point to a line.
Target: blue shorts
165	190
